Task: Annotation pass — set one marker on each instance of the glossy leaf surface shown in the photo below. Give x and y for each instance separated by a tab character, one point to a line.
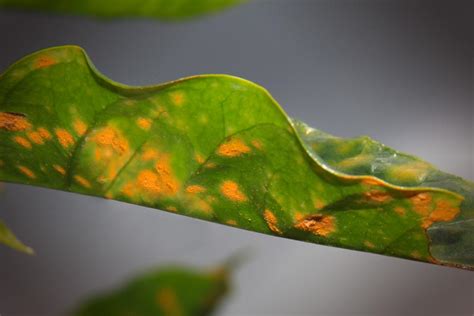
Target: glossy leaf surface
173	291
220	148
162	9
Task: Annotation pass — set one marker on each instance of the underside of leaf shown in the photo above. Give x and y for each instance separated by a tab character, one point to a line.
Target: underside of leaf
162	9
220	148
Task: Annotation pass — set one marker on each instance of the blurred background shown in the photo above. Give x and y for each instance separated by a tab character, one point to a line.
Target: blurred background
400	71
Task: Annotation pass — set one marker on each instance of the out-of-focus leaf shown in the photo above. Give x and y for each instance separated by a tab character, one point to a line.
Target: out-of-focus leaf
173	291
220	148
162	9
9	239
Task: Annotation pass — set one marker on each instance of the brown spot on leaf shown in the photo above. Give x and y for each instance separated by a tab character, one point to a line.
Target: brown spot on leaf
13	122
27	172
232	148
231	190
318	224
272	221
64	137
22	141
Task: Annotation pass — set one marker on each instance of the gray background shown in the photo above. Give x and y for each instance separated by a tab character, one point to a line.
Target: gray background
400	71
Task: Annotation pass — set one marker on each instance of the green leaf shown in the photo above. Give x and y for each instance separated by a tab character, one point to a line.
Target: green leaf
9	239
220	148
172	291
162	9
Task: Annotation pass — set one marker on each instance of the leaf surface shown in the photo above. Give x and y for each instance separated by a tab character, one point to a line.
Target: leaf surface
220	148
162	9
172	291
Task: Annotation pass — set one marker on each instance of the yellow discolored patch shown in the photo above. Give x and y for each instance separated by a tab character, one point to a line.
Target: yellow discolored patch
22	141
44	133
412	172
111	137
318	224
298	216
354	161
193	189
231	222
231	190
128	189
368	244
177	97
82	181
80	127
400	210
59	169
257	144
35	137
232	148
150	154
167	300
144	123
210	165
171	209
44	62
272	221
443	212
13	122
27	172
422	203
64	137
377	196
199	158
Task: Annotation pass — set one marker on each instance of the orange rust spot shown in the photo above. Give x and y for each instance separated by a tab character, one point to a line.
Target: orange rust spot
257	144
22	141
35	137
59	169
111	137
108	195
171	209
159	181
368	244
27	172
128	189
231	190
193	189
167	300
231	222
82	181
150	154
399	210
44	61
64	138
13	122
44	133
202	206
318	224
144	123
377	196
319	204
177	97
298	216
422	203
443	212
210	165
272	221
80	127
232	148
